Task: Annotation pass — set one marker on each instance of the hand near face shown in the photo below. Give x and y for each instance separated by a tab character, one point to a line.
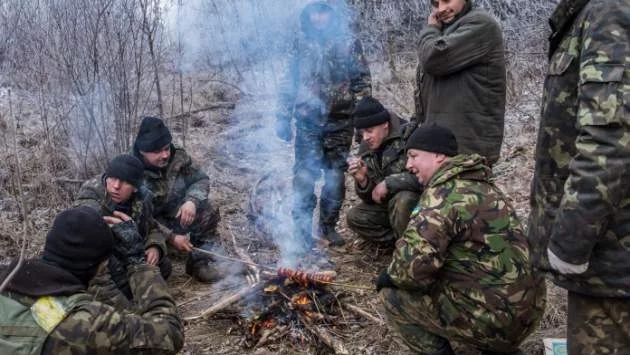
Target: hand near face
117	217
358	170
434	19
152	255
186	213
379	192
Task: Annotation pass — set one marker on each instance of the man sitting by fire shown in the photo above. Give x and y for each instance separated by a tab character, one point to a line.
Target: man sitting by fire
388	191
461	271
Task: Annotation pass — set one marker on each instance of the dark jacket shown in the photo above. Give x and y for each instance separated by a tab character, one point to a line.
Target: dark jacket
93	327
580	197
388	164
461	81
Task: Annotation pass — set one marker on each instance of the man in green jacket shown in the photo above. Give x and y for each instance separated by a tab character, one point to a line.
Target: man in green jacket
388	191
461	271
580	200
461	76
120	192
45	308
180	197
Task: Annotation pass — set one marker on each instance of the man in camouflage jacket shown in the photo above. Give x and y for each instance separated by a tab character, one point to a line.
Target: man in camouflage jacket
461	271
120	189
388	191
180	196
579	225
46	310
461	76
327	73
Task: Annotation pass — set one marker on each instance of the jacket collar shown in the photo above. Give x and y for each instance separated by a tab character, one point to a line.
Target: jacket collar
463	166
37	278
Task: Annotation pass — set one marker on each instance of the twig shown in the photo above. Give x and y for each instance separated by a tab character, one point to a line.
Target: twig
226	302
233	259
227	105
324	336
243	255
270	335
359	312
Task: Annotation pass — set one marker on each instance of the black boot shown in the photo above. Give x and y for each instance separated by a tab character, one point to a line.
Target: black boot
330	234
445	350
488	352
201	270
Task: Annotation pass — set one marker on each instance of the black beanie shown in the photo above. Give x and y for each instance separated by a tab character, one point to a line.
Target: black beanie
152	135
433	138
369	113
127	168
78	242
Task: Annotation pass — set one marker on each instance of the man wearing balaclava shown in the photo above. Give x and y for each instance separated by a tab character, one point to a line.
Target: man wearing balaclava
327	74
45	308
461	76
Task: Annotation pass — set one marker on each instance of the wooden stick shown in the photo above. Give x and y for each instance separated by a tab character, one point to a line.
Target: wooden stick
270	335
324	336
226	302
359	312
243	255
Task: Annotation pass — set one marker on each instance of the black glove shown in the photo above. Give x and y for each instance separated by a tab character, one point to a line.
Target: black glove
384	281
283	129
129	247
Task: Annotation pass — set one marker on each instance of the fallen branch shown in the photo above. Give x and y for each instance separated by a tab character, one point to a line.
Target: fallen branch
218	105
359	312
270	335
336	345
227	301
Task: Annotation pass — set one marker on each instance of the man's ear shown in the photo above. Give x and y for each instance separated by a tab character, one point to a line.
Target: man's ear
440	158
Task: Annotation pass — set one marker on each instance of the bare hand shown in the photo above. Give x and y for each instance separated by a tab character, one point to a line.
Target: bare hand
118	217
379	192
181	243
153	255
186	213
434	19
358	170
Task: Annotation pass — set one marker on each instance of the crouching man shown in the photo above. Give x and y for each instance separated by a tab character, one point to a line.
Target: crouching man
461	271
119	194
45	308
388	191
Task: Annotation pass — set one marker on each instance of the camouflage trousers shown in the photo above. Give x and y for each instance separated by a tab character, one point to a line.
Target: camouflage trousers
426	322
317	151
598	325
383	222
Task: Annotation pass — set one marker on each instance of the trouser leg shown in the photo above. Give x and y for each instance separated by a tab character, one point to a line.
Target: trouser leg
370	222
400	207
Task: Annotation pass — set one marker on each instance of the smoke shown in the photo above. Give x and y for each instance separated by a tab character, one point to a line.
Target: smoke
249	42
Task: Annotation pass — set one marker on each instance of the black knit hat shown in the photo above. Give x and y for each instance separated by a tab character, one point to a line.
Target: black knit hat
153	135
78	241
433	138
127	168
369	113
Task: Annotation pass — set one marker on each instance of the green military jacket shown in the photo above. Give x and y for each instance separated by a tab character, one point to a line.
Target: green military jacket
388	164
580	197
93	193
327	72
464	245
182	180
461	81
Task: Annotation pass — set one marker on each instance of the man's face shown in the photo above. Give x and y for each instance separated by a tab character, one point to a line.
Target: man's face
424	164
448	9
320	19
119	190
159	158
375	135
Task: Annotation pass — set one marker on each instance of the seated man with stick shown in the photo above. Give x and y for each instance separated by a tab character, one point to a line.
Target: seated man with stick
461	271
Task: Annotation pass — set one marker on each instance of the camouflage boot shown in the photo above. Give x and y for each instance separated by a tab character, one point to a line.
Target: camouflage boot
329	233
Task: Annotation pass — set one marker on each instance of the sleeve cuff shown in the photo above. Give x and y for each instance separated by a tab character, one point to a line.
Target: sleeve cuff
563	267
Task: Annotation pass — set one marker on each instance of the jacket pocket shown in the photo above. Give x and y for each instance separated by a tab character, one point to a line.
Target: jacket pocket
560	62
600	94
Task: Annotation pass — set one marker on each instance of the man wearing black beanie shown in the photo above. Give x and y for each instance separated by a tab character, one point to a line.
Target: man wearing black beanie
180	197
46	309
387	190
120	190
463	262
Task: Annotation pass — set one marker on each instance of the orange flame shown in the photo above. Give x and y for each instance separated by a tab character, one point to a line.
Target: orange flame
302	300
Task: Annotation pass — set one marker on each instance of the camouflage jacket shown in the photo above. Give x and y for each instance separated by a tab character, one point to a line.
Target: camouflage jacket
466	58
466	242
580	198
388	164
93	327
326	73
182	180
93	193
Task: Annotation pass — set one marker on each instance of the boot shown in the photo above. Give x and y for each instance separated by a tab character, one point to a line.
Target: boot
201	270
445	350
330	234
488	352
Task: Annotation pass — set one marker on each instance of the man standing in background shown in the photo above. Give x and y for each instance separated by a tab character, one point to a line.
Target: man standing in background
327	74
461	76
579	226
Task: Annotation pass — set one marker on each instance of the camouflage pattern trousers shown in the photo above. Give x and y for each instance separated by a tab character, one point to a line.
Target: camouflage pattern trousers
383	222
317	150
598	325
427	322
